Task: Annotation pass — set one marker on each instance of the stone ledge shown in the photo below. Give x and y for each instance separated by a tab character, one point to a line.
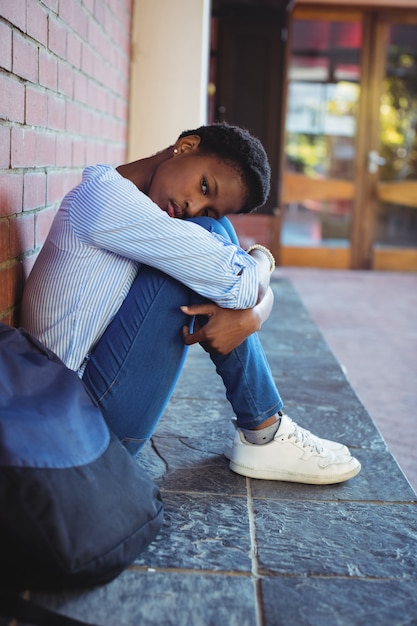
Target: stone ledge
241	552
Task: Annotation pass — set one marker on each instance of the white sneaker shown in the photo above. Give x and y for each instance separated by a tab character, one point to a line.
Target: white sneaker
294	455
333	446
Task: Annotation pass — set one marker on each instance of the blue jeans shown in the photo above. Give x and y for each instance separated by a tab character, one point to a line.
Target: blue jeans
136	364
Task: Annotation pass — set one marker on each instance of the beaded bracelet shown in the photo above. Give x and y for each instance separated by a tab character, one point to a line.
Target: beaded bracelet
258	246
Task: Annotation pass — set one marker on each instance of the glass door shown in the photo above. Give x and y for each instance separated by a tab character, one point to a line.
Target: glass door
395	235
349	196
321	128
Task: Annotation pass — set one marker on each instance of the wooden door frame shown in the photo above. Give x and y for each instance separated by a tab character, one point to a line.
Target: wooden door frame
320	256
365	255
361	253
392	258
367	139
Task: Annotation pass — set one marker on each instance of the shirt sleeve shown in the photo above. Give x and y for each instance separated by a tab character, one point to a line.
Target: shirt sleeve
109	212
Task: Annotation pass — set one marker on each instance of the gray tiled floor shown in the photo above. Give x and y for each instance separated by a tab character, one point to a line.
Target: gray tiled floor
369	320
260	553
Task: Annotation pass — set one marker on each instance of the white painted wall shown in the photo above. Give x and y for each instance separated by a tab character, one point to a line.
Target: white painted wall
169	72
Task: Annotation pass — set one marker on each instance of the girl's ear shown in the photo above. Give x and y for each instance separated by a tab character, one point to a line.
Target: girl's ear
191	142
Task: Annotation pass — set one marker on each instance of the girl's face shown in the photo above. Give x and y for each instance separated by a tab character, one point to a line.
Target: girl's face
189	185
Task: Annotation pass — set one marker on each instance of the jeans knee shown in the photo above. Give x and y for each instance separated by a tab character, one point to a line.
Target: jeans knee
221	226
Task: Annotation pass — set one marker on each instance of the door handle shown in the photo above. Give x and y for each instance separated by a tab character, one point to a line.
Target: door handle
374	161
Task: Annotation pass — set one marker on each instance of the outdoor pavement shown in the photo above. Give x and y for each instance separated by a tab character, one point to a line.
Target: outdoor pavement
243	552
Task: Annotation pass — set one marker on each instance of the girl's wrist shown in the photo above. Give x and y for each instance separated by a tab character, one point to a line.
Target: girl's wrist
264	250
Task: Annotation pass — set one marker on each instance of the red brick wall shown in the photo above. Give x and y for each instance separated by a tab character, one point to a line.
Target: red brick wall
64	83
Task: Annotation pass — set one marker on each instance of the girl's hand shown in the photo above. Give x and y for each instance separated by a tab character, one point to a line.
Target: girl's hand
224	330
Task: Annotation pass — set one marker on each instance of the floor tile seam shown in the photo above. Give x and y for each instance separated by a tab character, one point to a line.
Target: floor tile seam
186	492
146	569
266	574
270	498
254	556
372	448
332	501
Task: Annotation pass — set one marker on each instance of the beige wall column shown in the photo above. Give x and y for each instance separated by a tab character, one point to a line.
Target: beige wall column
169	72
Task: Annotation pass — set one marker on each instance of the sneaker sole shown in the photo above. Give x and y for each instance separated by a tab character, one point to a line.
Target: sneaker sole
294	478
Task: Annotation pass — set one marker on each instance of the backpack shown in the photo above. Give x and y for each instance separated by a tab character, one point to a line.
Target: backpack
75	508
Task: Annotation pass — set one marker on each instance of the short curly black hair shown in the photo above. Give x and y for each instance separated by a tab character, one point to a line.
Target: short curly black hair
237	147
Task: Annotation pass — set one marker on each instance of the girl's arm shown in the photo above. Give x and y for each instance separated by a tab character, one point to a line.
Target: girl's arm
225	329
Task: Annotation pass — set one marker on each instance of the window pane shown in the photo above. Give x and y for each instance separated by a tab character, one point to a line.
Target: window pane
321	127
397	219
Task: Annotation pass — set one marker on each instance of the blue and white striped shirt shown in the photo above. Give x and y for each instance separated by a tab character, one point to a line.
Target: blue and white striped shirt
104	230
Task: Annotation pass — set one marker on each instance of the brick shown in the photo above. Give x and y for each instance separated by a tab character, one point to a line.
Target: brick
100	12
45	149
65	79
117	155
87	122
11	193
97	96
106	150
57	37
74	179
43	221
4	146
122	108
122	61
56	112
91	153
116	130
22	235
58	185
48	70
34	190
111	54
74	50
51	4
98	125
72	13
4	239
11	285
102	72
23	147
118	33
37	22
80	87
78	153
89	5
15	12
28	262
75	113
25	58
63	150
5	47
87	59
12	99
36	106
97	39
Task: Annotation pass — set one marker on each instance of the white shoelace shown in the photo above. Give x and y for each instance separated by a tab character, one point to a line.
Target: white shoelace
306	438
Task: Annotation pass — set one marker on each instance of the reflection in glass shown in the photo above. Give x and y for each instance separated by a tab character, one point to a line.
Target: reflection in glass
397	220
321	126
